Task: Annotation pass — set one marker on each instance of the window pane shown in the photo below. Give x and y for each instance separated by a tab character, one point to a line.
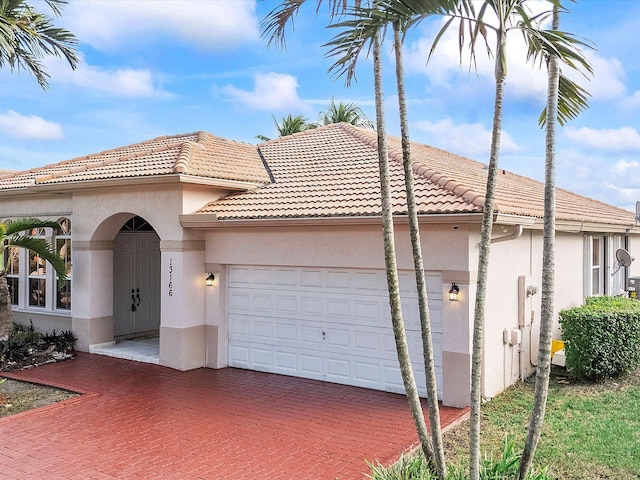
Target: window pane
37	264
595	281
37	292
12	254
63	297
13	289
596	252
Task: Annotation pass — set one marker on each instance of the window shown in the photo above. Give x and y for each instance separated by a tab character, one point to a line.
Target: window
12	261
597	266
602	273
32	281
63	247
37	274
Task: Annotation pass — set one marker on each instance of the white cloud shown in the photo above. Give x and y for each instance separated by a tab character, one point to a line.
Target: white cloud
29	127
470	139
524	80
108	25
600	176
272	92
122	82
617	140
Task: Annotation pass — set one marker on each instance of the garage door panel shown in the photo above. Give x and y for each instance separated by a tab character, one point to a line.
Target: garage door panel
311	366
286	361
328	324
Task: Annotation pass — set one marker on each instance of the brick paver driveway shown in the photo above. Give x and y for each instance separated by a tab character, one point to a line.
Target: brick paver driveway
142	421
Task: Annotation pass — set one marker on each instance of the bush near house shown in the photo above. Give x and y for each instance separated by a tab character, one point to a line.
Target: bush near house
602	337
27	347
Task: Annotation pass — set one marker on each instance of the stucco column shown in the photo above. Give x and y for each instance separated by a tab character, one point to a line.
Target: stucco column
182	325
215	320
457	327
92	290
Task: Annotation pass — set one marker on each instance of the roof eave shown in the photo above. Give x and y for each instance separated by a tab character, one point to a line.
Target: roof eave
211	220
231	185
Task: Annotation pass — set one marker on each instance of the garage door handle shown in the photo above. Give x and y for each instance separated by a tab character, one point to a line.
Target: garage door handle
324	335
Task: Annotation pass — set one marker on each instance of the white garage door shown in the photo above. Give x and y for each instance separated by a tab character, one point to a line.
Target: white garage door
327	324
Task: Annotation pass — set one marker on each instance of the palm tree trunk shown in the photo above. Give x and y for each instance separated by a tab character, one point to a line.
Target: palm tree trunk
391	265
483	266
423	300
6	314
548	269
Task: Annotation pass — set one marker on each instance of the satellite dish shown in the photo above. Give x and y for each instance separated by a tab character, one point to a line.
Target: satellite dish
623	257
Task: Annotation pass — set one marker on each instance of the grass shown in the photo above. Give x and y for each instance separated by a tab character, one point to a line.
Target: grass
16	397
591	432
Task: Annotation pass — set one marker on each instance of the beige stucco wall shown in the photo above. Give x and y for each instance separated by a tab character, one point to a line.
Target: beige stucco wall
97	215
505	363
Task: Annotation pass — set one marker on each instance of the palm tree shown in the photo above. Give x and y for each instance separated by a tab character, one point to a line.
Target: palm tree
13	236
345	112
391	265
27	35
289	125
548	268
510	15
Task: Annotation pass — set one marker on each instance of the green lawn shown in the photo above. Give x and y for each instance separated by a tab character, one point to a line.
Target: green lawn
592	431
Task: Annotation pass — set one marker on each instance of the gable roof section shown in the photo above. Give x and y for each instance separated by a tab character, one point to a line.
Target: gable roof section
199	155
332	171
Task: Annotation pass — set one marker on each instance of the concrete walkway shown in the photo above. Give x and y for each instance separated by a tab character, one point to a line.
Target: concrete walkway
143	421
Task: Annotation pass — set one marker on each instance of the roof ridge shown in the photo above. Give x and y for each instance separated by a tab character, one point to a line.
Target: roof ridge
182	163
459	189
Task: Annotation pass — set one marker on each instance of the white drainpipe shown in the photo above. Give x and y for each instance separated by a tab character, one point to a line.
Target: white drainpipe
511	236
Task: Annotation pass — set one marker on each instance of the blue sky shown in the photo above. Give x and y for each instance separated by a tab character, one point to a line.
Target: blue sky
164	67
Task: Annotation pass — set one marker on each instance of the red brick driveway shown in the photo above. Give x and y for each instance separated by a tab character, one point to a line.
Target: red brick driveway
142	421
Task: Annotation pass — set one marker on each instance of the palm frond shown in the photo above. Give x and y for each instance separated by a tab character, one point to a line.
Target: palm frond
22	224
27	36
44	250
572	100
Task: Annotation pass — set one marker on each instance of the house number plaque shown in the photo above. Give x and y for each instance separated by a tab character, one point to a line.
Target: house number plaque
171	277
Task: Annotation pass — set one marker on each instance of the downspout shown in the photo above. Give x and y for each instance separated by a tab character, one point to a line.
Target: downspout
511	236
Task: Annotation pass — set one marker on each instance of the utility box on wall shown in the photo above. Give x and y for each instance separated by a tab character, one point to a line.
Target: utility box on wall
633	284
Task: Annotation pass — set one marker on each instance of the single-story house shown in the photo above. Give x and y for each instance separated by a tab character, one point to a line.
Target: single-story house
291	231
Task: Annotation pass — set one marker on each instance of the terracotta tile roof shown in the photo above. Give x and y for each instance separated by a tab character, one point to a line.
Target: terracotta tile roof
333	171
198	154
330	171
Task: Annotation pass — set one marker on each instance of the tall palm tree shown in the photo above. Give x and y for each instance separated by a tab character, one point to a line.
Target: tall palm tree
27	35
13	235
421	284
345	112
289	125
391	265
548	267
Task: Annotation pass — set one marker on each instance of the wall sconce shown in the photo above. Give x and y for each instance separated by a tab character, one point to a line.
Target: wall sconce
453	292
209	280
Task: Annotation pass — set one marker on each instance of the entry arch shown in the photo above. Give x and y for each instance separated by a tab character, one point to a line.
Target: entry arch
136	280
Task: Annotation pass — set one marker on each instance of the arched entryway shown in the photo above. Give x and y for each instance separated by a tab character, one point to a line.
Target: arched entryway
136	280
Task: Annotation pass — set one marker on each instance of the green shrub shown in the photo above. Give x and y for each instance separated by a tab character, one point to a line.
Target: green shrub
602	337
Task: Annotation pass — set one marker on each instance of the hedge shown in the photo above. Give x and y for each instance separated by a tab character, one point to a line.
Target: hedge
602	337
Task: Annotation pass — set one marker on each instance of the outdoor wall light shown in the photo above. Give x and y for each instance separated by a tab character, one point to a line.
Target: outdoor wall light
453	292
209	281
